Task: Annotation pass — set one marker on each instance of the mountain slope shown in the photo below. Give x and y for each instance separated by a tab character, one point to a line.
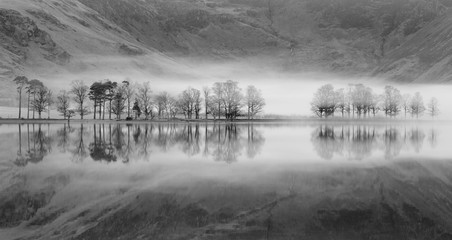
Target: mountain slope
76	38
425	57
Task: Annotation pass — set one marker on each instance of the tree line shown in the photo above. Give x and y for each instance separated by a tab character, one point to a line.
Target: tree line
358	101
223	100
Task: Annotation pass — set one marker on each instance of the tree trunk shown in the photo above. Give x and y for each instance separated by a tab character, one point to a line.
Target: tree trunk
32	107
100	110
28	106
81	110
95	102
128	107
20	103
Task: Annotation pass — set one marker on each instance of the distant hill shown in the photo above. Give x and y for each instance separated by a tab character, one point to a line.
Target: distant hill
402	40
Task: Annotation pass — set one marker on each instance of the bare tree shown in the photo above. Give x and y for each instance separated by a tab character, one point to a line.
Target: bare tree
145	99
63	102
432	107
171	106
197	99
50	101
417	105
21	82
189	102
40	103
255	102
406	98
217	98
161	103
232	99
324	102
342	101
80	92
207	99
392	99
362	97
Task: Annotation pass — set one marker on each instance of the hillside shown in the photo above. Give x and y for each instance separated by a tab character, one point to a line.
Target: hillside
403	40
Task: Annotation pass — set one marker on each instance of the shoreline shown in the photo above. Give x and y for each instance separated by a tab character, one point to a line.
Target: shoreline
204	121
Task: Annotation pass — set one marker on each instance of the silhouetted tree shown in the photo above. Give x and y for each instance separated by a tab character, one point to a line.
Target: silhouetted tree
63	102
41	102
80	92
97	95
145	99
110	89
34	86
21	82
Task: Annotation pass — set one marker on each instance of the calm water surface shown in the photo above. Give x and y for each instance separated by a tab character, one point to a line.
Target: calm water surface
226	181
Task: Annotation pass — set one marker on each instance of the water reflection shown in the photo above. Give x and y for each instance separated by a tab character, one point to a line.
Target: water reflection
170	199
359	142
38	144
219	142
124	142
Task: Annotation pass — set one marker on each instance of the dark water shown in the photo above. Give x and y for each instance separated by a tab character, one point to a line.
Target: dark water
226	181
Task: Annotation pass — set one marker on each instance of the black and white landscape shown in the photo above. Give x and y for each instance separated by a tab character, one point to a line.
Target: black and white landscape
225	119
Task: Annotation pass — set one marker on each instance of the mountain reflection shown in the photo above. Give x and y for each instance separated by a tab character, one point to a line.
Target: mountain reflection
359	142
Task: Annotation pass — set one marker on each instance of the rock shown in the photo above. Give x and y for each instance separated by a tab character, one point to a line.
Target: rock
17	32
44	17
130	50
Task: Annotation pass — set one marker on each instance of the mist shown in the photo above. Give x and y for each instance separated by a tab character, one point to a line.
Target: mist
287	92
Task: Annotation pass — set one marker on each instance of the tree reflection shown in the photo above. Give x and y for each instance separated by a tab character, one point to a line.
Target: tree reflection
255	141
63	135
432	138
189	139
227	141
417	139
39	144
99	149
392	142
80	153
358	142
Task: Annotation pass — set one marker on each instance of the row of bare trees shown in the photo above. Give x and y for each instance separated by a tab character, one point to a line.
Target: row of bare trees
104	98
222	100
360	101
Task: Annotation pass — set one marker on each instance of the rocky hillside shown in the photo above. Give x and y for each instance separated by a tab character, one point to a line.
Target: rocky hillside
405	40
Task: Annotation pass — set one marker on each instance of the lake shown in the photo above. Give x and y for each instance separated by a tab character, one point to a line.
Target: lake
311	180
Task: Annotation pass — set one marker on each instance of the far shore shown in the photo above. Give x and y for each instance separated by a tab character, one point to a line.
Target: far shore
181	120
